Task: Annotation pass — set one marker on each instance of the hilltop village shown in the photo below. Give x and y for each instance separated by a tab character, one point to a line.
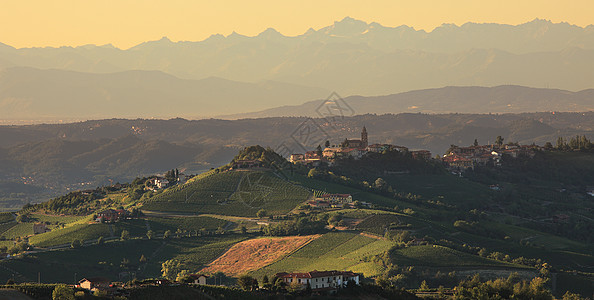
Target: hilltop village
456	158
354	148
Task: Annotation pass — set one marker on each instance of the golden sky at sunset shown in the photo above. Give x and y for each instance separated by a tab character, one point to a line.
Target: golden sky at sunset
125	23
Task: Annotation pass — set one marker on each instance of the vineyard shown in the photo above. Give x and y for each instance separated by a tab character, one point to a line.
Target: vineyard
160	225
231	193
379	223
333	251
438	256
256	253
83	232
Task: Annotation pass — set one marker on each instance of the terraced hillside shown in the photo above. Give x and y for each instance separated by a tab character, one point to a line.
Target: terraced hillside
233	193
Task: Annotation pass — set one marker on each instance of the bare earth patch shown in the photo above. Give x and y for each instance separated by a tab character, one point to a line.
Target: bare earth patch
256	253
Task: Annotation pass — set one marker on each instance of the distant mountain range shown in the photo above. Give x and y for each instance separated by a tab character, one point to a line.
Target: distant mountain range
350	57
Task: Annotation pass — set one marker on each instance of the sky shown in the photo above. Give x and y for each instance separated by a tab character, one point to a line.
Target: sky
126	23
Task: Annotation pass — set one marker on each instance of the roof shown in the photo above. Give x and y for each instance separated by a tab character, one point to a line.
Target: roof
316	274
95	279
336	195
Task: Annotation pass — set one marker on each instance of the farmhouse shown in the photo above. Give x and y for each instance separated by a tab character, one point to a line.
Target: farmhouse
320	280
159	183
40	228
198	278
94	283
111	215
333	200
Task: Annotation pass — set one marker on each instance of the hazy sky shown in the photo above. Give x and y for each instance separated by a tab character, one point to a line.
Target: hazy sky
125	23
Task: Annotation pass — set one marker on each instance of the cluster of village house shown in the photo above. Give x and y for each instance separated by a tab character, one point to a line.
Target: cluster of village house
158	182
318	281
354	148
461	158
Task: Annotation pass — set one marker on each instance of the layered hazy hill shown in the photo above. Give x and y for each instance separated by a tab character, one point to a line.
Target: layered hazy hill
499	99
27	92
350	57
38	161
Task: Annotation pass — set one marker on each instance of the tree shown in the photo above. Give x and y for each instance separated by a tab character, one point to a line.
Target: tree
100	240
571	296
142	259
475	142
327	144
243	229
424	286
125	235
266	282
262	213
150	234
170	269
62	292
183	276
319	150
167	234
246	282
381	184
313	172
499	140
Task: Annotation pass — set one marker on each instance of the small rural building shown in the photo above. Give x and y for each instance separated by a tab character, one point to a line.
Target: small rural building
320	280
199	278
94	283
344	198
40	228
111	215
159	183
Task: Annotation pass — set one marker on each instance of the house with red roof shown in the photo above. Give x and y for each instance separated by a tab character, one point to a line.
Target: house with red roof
320	280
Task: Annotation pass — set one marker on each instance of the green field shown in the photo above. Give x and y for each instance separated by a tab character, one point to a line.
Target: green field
333	251
379	223
83	232
6	217
190	223
439	256
231	193
105	260
17	230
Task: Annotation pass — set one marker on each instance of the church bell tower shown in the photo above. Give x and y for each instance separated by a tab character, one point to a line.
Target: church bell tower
364	137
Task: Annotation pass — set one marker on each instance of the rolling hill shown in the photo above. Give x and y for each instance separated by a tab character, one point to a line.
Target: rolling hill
234	193
453	99
28	93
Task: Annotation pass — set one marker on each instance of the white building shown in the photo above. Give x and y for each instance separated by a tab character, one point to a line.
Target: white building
321	280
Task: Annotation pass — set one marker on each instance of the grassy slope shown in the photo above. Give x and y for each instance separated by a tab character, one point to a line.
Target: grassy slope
86	231
231	193
105	260
438	256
